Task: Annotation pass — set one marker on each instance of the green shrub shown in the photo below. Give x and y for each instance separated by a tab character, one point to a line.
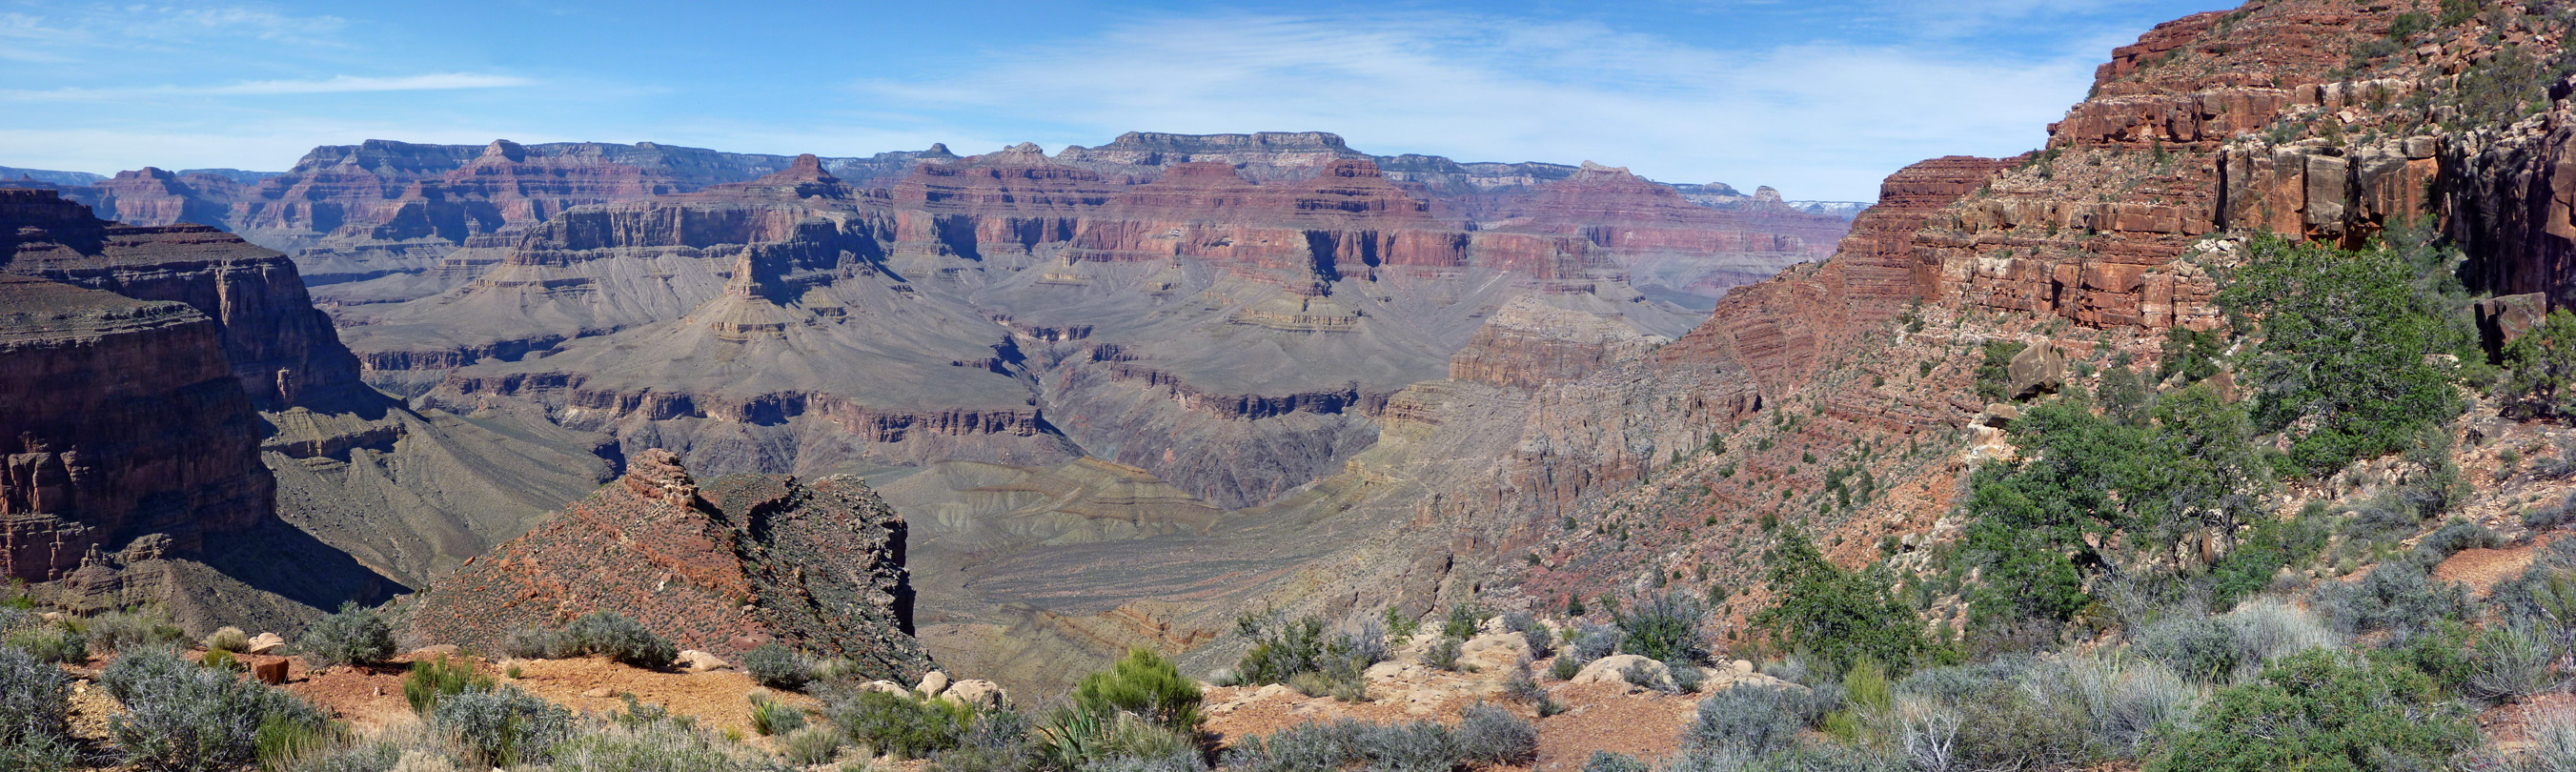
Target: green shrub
51	643
2349	345
1283	651
1442	654
2513	661
1664	627
1566	668
118	631
775	666
900	725
2322	710
353	636
430	682
1994	372
812	745
1605	761
501	728
1463	620
228	639
183	718
1145	684
1839	616
772	717
619	637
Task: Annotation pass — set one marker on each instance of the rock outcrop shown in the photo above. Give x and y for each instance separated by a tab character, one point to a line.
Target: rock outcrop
719	566
124	425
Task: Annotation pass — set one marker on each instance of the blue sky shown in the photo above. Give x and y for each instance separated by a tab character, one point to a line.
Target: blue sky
1819	99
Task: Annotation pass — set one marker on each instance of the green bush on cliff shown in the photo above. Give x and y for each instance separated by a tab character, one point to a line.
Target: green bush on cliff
354	636
2323	709
619	637
2358	347
1839	616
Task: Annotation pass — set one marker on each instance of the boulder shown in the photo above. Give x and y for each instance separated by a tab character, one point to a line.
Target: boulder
266	643
933	683
2036	369
271	673
888	687
699	662
977	692
2504	318
1613	669
1495	651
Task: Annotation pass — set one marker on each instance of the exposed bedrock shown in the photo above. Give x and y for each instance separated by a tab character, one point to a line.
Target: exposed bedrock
123	420
720	565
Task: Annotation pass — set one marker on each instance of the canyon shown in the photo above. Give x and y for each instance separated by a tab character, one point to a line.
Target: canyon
1119	393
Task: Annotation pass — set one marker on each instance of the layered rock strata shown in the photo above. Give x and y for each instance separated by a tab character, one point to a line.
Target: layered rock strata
124	420
719	566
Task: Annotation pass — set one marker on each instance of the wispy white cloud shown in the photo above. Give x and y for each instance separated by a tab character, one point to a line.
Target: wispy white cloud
338	84
349	83
1831	118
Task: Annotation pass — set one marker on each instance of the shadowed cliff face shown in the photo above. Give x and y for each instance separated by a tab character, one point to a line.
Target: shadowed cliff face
150	463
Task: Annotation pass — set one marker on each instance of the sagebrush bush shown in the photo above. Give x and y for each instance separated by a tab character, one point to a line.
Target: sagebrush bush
1591	641
2398	595
526	643
1606	761
772	717
51	643
1491	735
353	636
1541	642
430	682
376	756
619	637
998	740
34	698
501	728
812	745
183	718
661	746
2200	647
1747	719
1424	746
774	665
2553	741
2513	660
118	631
40	754
228	639
2451	539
